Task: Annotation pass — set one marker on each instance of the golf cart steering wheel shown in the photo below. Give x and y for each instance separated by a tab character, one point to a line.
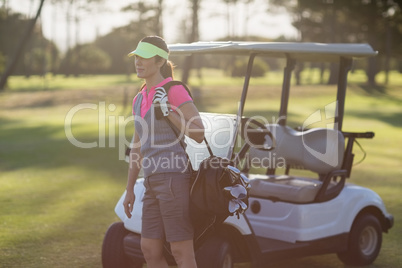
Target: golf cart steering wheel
257	135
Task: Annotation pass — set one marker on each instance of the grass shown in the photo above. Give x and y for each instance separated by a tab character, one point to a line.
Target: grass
57	200
60	82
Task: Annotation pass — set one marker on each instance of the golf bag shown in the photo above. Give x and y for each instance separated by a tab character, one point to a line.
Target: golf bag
218	189
209	204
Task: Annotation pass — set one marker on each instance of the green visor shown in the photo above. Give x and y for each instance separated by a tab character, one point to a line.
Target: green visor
146	50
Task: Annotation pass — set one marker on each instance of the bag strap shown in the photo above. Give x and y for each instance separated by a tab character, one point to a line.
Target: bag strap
169	84
167	87
182	145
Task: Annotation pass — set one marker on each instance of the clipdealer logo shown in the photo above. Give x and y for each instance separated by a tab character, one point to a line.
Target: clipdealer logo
103	120
219	130
331	153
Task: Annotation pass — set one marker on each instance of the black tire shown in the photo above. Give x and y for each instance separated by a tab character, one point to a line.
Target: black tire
113	248
365	241
214	253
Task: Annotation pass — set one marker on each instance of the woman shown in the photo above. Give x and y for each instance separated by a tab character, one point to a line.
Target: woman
159	152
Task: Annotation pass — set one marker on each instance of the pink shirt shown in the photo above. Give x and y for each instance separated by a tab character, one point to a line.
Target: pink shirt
177	96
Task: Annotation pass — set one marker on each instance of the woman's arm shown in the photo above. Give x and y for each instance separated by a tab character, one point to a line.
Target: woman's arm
187	118
134	168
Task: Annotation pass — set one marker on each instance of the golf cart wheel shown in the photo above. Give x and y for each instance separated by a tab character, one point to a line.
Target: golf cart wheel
113	249
364	241
214	253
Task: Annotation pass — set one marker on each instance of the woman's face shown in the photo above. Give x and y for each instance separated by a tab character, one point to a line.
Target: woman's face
147	68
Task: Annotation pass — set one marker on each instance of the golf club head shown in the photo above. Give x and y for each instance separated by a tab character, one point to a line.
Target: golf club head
227	189
245	180
233	206
233	169
243	205
234	173
238	191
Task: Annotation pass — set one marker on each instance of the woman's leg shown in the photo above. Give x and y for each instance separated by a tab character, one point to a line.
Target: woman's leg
183	253
153	253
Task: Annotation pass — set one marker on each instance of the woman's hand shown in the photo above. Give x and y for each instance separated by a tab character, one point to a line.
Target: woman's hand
133	170
160	100
128	203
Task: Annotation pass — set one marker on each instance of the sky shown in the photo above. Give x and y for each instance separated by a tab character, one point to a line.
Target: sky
213	20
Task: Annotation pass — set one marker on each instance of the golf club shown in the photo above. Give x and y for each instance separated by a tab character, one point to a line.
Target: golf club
237	191
233	206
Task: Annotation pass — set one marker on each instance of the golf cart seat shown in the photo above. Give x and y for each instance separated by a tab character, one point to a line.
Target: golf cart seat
319	150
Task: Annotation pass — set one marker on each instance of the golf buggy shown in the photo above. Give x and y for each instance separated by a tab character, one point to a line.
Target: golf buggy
288	215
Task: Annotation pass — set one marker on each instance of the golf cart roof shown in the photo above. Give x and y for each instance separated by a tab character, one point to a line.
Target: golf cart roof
297	51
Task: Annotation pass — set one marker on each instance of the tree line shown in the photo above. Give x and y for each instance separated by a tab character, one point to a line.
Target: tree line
377	22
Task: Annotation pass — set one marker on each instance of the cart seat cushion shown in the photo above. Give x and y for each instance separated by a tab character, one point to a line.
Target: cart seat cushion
285	188
320	150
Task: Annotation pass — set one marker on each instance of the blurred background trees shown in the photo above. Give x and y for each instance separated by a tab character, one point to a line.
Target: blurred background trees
377	22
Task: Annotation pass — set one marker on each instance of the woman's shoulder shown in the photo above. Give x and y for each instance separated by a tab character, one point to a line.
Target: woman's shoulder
178	95
138	96
176	86
178	89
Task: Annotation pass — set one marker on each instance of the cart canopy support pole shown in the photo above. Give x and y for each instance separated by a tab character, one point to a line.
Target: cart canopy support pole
242	102
344	68
283	112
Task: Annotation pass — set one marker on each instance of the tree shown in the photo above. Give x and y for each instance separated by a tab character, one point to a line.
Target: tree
75	10
87	59
149	15
193	36
2	62
121	41
39	53
20	47
357	21
238	69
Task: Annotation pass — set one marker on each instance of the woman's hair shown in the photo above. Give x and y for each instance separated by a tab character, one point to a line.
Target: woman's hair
167	68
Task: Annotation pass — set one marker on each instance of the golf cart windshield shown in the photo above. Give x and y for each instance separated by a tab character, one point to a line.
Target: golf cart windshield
290	54
343	54
219	132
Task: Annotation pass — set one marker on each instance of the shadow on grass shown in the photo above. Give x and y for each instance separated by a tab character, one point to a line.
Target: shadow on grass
59	83
378	91
63	225
393	119
119	96
55	219
38	146
372	89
